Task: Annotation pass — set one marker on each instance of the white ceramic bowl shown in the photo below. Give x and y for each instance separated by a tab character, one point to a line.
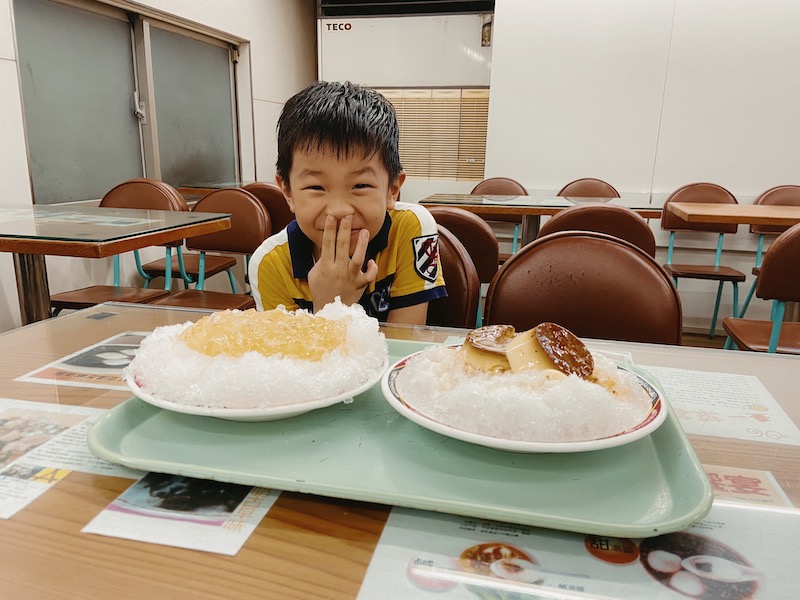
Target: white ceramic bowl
262	413
654	420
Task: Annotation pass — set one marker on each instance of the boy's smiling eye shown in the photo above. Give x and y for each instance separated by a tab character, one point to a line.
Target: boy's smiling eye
313	187
362	186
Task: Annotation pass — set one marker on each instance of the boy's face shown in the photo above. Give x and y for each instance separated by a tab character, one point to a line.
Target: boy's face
322	184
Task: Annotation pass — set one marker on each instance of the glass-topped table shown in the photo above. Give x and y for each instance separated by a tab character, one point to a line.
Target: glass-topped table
531	208
88	232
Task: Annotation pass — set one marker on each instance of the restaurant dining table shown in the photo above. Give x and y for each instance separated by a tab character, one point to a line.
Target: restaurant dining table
748	214
85	232
532	208
307	546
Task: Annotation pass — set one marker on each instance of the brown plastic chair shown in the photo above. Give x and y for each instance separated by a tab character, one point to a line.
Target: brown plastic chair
612	219
460	306
250	225
589	187
786	195
186	266
477	236
779	282
502	186
273	200
594	284
139	193
706	193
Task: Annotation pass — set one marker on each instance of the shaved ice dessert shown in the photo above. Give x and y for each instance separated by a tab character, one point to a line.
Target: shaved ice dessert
541	385
250	359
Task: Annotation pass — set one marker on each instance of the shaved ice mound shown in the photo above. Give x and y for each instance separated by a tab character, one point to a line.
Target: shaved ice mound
530	406
248	359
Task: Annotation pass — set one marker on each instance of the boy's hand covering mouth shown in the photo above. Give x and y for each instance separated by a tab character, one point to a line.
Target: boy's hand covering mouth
336	273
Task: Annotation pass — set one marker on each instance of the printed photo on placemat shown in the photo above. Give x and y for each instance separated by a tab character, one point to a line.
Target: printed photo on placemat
97	366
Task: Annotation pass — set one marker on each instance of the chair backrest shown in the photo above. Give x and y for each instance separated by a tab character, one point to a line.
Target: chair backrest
594	284
145	194
475	234
250	222
612	219
460	307
787	195
273	200
500	186
779	279
589	187
698	192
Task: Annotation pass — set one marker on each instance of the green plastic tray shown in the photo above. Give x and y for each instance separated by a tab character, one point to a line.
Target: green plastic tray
366	451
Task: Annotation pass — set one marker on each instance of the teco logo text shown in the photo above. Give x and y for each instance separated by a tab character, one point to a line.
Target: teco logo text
339	26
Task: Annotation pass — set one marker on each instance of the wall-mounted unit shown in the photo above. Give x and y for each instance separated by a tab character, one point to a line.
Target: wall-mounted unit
425	51
371	8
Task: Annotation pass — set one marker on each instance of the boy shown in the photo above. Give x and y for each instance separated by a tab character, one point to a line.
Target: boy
339	168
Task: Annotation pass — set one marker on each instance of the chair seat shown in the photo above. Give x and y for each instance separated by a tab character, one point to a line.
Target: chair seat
97	294
756	271
752	334
215	263
208	300
705	272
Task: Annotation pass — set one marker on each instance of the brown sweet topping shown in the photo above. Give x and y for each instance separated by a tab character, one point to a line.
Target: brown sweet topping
566	351
492	338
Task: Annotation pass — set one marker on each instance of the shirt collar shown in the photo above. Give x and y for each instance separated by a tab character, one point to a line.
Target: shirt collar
301	248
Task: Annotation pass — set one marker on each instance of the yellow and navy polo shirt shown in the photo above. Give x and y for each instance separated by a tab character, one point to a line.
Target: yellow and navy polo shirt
406	250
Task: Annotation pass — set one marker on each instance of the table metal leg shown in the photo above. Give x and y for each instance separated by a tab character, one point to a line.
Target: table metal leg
530	228
32	288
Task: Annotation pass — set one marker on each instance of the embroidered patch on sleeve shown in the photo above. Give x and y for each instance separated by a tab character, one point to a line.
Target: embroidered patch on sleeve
426	256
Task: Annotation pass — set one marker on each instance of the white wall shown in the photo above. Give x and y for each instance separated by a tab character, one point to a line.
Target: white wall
647	95
280	59
650	96
578	85
730	102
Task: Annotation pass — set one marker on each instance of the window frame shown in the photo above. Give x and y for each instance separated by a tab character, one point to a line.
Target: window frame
141	19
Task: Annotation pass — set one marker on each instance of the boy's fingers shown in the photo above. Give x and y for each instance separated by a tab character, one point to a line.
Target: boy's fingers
328	251
360	252
343	238
372	271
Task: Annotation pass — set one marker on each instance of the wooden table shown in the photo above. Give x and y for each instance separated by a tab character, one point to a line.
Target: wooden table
531	208
307	546
749	214
88	232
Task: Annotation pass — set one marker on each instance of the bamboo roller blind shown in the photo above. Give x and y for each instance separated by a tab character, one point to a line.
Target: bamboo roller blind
442	131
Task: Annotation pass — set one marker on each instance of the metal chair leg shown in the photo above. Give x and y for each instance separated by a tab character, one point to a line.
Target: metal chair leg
711	333
778	310
516	237
232	281
748	298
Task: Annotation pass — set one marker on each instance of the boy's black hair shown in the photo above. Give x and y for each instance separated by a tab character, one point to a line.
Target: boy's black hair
341	117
